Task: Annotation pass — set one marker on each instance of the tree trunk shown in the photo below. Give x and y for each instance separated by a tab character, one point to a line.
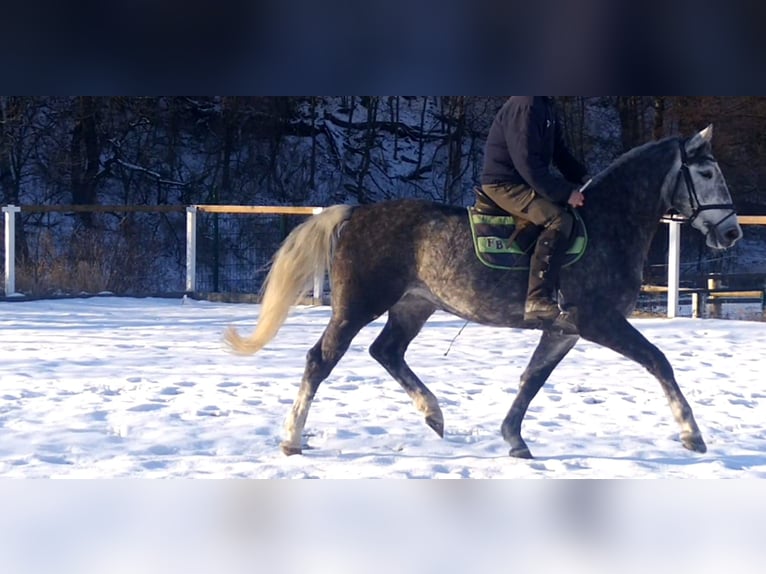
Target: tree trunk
456	134
421	133
370	137
84	157
313	160
659	117
13	111
393	105
9	181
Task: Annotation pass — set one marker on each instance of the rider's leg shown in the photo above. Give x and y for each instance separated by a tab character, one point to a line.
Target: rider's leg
522	202
547	259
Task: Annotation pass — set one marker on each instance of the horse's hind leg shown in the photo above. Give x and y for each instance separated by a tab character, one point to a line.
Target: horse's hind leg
405	320
551	349
615	332
320	361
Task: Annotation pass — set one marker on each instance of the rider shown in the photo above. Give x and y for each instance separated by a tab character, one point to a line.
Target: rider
525	138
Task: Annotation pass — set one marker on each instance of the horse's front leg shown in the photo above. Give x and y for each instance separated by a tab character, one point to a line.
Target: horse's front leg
551	349
615	332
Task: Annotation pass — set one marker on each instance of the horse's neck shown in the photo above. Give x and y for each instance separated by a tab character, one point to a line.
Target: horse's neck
630	194
633	187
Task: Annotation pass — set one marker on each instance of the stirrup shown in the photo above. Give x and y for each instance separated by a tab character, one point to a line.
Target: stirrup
565	323
562	323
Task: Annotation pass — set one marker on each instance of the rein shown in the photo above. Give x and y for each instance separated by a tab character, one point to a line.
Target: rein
694	202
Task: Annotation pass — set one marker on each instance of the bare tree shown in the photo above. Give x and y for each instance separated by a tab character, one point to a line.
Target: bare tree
454	114
84	156
659	117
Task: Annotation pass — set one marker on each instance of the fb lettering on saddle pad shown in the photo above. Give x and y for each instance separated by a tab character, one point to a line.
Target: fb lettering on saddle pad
501	244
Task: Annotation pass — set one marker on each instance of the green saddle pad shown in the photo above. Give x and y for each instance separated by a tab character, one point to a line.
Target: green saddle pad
497	247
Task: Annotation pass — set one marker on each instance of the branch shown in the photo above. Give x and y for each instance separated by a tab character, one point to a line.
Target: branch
148	172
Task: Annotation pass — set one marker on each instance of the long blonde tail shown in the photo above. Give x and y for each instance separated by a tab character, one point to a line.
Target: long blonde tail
305	252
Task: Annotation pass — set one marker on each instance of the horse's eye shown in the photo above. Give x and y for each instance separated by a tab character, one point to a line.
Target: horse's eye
707	174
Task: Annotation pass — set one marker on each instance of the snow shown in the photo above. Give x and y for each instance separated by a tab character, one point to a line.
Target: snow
119	387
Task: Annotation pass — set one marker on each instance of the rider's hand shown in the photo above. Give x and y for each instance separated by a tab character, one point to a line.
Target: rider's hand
576	199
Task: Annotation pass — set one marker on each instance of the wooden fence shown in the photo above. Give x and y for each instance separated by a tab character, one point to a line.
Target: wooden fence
191	235
10	212
712	292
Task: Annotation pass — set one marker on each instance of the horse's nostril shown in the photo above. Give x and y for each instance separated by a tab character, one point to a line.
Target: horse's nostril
733	234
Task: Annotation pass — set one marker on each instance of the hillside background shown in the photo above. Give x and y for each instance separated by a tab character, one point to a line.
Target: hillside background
303	150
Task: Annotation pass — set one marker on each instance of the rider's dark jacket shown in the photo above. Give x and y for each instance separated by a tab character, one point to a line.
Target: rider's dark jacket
524	140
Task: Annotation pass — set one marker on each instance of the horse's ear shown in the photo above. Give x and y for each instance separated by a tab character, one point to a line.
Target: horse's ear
701	140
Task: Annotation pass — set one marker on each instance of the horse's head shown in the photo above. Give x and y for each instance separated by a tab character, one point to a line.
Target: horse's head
701	194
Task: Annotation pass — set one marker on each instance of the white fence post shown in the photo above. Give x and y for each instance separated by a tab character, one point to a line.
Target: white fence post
9	212
191	248
674	266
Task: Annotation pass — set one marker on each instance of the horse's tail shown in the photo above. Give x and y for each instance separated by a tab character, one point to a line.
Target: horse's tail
304	253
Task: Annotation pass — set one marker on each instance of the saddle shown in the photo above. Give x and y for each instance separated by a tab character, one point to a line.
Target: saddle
503	242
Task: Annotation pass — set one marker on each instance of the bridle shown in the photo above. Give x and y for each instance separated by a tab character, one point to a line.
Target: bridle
694	202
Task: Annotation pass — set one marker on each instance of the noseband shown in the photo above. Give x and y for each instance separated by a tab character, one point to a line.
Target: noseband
694	201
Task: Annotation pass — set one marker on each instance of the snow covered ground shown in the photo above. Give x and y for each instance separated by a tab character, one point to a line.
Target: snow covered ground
112	387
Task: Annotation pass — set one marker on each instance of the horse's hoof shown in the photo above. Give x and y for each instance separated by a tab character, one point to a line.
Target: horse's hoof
290	450
437	424
694	443
521	453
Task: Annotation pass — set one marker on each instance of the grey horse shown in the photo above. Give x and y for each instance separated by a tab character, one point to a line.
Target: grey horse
410	258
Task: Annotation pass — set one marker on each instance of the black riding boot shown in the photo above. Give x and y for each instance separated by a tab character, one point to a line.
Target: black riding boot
543	276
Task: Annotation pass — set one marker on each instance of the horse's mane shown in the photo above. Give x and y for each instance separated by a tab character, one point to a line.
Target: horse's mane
635	159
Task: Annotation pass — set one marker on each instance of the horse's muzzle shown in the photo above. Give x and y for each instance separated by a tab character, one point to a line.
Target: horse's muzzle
724	236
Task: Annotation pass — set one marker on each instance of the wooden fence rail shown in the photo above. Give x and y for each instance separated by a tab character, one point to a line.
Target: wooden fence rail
10	211
674	257
673	288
